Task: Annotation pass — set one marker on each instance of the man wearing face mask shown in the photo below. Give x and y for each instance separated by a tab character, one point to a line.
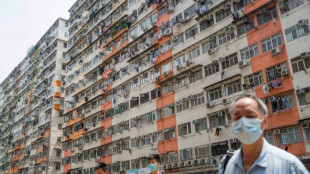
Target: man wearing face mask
154	162
256	155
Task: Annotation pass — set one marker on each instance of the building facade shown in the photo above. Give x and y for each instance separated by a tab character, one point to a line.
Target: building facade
157	77
31	102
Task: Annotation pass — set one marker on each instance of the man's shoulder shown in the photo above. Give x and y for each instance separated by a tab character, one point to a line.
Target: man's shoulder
278	153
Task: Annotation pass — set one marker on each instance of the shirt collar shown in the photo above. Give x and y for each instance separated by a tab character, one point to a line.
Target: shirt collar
260	161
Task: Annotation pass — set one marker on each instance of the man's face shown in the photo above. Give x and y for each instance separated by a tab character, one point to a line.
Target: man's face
100	171
247	107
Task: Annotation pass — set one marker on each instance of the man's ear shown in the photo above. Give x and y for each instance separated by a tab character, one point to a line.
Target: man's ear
265	121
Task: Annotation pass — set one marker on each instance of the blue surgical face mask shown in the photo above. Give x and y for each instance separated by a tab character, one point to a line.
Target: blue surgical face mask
247	130
153	167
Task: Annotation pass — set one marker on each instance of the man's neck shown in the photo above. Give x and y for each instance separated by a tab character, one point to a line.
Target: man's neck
155	172
251	152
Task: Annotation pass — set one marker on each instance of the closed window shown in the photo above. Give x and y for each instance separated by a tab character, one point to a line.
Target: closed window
195	76
214	93
232	87
220	15
197	99
190	11
249	52
225	37
202	151
184	129
230	61
169	133
166	68
179	61
219	148
191	31
289	136
274	72
206	46
300	64
290	5
297	31
206	23
186	154
245	27
200	124
211	69
272	42
168	110
269	137
179	39
254	79
216	121
181	82
267	16
194	53
182	105
304	97
167	88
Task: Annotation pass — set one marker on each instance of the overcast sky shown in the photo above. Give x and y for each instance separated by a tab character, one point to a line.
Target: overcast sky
22	24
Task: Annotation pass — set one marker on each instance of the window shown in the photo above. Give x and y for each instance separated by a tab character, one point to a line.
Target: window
169	133
300	64
144	78
202	151
134	102
181	82
289	135
216	121
304	97
254	79
272	42
168	110
178	39
214	93
245	27
267	16
155	93
125	165
194	53
171	157
144	98
249	52
197	99
166	68
186	154
184	129
204	24
182	105
269	137
225	37
200	124
206	46
179	61
192	31
134	142
212	68
195	76
154	74
235	144
167	88
232	87
241	4
162	11
190	11
157	137
274	72
282	102
220	15
230	61
134	83
290	5
219	148
164	48
297	31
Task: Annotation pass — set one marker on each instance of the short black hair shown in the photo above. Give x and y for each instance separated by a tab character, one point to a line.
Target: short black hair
102	166
154	156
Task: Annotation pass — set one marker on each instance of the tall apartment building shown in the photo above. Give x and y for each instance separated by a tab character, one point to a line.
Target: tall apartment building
31	103
157	76
145	77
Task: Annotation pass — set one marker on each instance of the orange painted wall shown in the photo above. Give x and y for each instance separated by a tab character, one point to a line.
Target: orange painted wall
265	60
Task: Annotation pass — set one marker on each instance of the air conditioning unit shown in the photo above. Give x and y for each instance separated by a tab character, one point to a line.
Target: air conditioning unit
189	163
229	30
243	63
175	165
221	59
211	51
202	161
220	113
194	121
185	99
181	164
305	125
225	101
210	104
168	31
285	73
305	55
226	7
195	162
275	51
300	91
179	67
282	5
171	9
277	131
262	11
302	23
134	36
